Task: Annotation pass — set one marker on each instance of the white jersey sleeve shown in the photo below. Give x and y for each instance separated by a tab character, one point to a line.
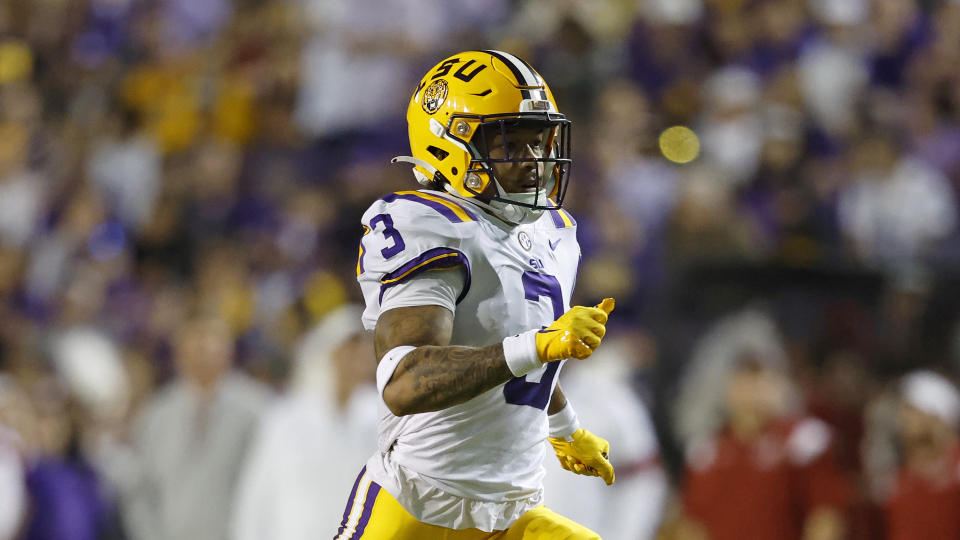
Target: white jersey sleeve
436	288
406	235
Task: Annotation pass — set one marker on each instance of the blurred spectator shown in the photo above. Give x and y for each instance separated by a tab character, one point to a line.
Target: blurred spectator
312	440
767	471
731	128
362	45
764	476
125	164
896	209
187	24
832	68
923	499
574	46
55	258
639	190
699	410
90	367
632	507
901	30
705	223
641	182
672	11
24	189
191	440
68	499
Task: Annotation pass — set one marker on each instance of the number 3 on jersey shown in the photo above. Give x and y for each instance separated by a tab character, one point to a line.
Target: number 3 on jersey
389	233
520	391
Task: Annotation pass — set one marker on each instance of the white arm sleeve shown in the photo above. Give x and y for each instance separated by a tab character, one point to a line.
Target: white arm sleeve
432	288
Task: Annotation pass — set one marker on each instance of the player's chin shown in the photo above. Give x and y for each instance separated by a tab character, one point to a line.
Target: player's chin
523	187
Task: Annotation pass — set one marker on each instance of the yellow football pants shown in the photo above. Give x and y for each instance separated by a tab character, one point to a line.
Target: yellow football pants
373	514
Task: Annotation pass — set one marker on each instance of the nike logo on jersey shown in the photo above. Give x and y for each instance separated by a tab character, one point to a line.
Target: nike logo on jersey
553	245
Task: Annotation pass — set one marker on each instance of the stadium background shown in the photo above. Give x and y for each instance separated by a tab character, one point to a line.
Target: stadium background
163	157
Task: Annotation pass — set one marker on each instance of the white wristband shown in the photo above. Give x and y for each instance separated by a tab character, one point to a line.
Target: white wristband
388	364
520	352
564	422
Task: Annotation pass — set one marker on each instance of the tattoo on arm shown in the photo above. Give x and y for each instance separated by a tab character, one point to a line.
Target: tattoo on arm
441	377
436	375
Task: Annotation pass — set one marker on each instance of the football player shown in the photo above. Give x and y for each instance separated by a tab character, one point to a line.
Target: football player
467	286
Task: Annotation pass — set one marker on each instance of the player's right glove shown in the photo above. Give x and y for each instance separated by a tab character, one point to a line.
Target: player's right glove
575	334
584	453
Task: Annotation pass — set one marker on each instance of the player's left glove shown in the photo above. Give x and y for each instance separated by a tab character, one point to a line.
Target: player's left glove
575	334
584	453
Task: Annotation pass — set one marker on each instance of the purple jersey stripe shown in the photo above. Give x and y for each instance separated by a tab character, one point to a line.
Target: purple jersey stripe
443	210
430	259
346	511
372	493
557	220
570	217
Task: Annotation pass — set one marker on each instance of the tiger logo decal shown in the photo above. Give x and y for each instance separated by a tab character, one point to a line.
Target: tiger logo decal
435	95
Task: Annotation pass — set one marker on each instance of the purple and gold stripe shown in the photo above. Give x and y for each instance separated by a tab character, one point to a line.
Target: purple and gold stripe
432	259
362	251
562	219
455	212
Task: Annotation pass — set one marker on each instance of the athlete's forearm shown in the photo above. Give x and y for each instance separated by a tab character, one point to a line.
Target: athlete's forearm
431	377
557	401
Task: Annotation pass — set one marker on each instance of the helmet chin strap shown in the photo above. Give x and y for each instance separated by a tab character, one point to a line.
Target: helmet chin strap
511	213
516	213
527	197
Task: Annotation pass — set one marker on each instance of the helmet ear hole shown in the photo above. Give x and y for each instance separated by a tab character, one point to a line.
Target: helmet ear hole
454	171
438	153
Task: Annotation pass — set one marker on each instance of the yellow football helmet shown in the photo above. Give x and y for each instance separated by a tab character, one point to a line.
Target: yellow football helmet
460	105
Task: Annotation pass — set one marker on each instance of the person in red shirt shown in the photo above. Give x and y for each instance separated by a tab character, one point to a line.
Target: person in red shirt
924	503
763	475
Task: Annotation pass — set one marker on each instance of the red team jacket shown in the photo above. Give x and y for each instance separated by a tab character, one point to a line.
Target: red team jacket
922	508
764	489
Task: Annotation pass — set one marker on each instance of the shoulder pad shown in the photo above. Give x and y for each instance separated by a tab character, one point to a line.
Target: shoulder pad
409	232
424	209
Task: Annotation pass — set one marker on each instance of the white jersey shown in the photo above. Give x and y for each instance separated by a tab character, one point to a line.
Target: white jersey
515	278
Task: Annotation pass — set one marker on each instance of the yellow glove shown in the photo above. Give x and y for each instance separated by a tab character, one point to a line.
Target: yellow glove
575	334
584	453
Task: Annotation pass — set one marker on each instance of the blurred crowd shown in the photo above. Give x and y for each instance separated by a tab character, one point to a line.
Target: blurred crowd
181	183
